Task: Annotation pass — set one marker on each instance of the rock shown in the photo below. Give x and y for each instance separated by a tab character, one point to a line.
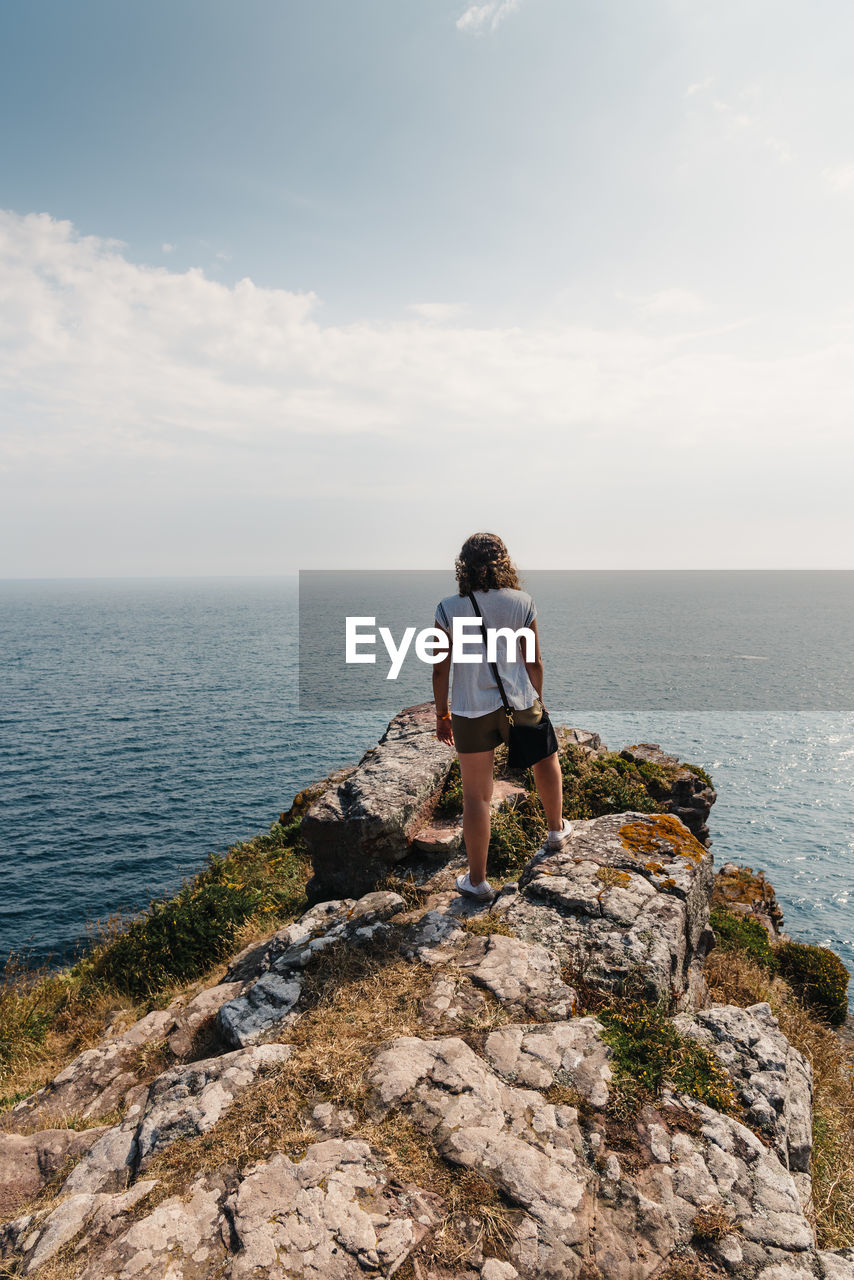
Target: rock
582	738
836	1264
747	892
331	1215
270	1003
182	1239
567	1053
361	827
27	1162
629	899
444	836
691	799
773	1078
189	1018
181	1103
555	1161
95	1082
37	1237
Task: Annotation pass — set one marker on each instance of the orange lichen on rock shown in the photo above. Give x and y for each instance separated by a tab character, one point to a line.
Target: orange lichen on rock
649	835
613	876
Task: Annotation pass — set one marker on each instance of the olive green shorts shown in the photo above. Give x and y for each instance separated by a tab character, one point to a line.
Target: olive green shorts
483	733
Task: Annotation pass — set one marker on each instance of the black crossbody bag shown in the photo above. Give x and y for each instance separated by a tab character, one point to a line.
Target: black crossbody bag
529	743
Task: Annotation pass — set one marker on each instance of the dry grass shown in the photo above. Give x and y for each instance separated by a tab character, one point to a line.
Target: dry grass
357	999
486	924
734	978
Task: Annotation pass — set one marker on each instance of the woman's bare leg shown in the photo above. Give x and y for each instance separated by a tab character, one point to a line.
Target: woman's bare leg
549	780
476	773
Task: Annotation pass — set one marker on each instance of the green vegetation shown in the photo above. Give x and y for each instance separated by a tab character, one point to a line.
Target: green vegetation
818	976
736	932
608	783
700	773
515	836
650	1051
450	802
138	962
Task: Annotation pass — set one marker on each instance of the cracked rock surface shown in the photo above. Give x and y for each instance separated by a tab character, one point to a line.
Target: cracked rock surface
499	1075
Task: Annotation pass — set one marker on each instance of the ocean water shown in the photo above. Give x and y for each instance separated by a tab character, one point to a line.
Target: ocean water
145	723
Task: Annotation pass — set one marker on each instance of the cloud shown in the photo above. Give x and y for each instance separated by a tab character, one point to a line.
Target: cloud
436	312
740	121
667	302
699	86
839	177
121	379
167	248
486	17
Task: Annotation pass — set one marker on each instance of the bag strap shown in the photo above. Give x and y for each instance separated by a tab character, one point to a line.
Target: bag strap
493	665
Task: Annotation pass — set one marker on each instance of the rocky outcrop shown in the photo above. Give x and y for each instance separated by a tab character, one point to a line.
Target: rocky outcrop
619	1207
746	892
773	1079
691	798
502	1083
271	1002
28	1161
181	1103
629	899
360	827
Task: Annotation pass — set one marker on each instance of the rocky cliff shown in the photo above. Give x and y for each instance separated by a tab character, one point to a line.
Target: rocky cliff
405	1082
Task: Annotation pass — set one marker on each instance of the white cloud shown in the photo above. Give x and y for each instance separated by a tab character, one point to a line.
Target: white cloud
486	17
699	86
839	177
109	368
747	123
667	302
436	312
167	248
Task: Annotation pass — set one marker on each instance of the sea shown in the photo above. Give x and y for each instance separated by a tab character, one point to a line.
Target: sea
145	723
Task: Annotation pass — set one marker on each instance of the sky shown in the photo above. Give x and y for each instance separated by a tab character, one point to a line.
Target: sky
332	285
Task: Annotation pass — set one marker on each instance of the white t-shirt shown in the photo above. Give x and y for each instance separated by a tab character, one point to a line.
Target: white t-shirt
474	691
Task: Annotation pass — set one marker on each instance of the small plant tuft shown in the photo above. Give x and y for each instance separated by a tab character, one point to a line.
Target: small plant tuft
818	976
744	933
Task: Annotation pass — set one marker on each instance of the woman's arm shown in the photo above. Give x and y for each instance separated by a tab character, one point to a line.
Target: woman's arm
441	684
535	668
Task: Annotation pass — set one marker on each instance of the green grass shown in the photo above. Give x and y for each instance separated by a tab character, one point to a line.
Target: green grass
139	962
515	836
650	1051
818	976
736	932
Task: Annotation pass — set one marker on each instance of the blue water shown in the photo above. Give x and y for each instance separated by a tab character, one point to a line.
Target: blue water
145	723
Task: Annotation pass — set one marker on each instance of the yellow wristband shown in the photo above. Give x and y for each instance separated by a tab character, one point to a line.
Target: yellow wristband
438	717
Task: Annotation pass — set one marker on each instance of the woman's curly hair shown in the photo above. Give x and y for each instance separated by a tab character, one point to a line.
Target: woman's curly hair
484	564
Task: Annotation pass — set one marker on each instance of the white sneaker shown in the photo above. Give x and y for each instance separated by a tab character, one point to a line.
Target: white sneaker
482	890
557	839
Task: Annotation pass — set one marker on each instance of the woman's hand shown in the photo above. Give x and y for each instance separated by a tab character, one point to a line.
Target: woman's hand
444	731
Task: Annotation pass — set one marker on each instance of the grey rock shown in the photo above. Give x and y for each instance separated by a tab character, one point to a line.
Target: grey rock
773	1078
628	916
182	1102
569	1053
361	827
557	1166
28	1161
836	1264
182	1239
270	1004
331	1215
34	1239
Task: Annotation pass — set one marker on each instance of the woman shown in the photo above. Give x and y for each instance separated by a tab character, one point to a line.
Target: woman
477	721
